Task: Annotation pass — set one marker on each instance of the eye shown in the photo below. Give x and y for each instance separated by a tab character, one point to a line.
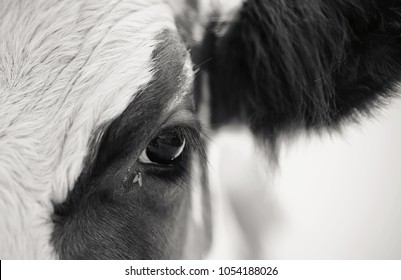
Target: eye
165	149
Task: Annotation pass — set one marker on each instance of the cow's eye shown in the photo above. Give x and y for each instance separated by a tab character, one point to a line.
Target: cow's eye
165	149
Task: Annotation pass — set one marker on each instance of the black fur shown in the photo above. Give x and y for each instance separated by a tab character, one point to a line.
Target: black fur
295	63
280	65
106	215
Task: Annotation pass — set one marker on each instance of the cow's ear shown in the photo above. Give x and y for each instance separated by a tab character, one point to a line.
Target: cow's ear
312	64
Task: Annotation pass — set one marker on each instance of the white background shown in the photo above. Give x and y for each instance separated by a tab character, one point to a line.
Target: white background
331	197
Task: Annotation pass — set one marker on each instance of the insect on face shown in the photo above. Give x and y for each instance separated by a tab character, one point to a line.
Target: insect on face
103	103
136	195
101	153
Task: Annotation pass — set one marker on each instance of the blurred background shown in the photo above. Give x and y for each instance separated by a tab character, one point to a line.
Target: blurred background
330	196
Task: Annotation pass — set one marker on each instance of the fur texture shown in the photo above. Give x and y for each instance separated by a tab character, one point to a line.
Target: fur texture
286	64
106	215
86	84
67	69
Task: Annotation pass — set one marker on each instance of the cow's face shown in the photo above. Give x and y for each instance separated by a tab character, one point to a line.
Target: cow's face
100	147
98	132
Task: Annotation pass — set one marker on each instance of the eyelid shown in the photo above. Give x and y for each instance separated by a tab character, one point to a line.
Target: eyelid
190	133
187	120
182	117
186	123
192	137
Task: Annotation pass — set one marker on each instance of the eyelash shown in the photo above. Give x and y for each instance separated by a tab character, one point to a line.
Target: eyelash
192	136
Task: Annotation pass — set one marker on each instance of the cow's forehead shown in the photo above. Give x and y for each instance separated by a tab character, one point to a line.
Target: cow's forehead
67	69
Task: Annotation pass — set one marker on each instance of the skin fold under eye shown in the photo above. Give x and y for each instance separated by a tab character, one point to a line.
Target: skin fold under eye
165	149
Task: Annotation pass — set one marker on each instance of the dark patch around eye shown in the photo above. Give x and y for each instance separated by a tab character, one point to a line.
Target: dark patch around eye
106	216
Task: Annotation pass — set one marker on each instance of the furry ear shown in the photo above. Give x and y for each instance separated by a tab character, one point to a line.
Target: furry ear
286	64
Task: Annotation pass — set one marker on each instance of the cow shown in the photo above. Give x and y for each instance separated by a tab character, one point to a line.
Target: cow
105	107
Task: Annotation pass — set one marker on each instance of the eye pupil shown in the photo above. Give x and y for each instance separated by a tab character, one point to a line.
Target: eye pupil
165	148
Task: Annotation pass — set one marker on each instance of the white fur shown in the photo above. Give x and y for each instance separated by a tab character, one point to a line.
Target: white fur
67	68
